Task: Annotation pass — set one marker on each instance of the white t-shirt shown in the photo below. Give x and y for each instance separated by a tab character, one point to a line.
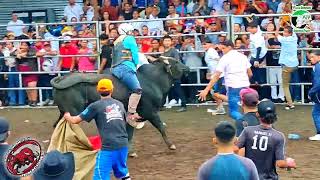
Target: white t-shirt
234	66
17	30
73	11
256	41
174	16
212	58
90	13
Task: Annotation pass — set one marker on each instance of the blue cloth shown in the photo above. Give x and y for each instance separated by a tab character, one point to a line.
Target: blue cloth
130	43
289	50
141	3
114	3
273	4
316	117
219	87
127	76
15	96
314	92
111	160
233	100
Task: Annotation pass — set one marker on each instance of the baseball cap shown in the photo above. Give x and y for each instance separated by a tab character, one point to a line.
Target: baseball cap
225	131
4	128
105	85
265	107
249	97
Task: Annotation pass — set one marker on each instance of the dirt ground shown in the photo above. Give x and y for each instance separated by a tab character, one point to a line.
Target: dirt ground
191	132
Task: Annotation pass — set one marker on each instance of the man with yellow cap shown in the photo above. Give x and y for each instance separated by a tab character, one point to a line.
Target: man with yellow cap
110	117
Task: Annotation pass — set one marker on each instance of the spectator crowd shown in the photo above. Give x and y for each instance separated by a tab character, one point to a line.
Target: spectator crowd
54	47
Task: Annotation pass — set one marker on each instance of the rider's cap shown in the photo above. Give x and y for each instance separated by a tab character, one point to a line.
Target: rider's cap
105	85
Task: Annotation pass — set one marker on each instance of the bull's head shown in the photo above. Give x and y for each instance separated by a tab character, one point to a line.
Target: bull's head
174	67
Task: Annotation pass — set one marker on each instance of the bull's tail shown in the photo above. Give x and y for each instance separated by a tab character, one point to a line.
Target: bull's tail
60	117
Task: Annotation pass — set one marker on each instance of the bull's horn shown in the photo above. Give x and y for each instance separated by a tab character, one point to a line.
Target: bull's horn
164	59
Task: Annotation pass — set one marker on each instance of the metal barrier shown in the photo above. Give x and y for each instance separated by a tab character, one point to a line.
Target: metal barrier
230	32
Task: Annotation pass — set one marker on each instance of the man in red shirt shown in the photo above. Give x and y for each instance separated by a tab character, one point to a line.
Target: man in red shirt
67	63
145	42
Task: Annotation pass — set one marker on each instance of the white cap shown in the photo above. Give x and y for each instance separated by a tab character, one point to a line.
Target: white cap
124	28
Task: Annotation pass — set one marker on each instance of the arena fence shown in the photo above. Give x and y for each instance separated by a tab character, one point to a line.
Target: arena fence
97	26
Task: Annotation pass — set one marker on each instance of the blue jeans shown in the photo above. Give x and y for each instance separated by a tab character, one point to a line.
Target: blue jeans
44	81
295	89
107	161
13	82
316	117
127	76
233	99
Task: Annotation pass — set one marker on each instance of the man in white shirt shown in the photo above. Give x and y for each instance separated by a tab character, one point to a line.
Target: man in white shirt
15	25
236	69
73	10
258	53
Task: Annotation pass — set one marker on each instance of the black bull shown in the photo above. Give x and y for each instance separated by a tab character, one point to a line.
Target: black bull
156	79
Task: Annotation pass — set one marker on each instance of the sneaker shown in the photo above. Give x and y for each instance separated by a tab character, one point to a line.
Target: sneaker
172	102
220	111
289	107
33	104
43	103
315	138
51	103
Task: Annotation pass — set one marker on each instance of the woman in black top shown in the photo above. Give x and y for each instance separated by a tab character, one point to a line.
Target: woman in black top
27	62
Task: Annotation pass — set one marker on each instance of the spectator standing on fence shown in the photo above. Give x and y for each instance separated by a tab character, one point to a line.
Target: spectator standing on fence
87	61
67	63
314	93
265	145
15	25
226	164
73	9
26	62
236	69
48	64
258	53
16	97
105	56
110	117
272	59
288	60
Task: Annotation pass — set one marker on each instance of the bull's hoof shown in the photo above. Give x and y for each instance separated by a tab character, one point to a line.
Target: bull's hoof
172	147
133	155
